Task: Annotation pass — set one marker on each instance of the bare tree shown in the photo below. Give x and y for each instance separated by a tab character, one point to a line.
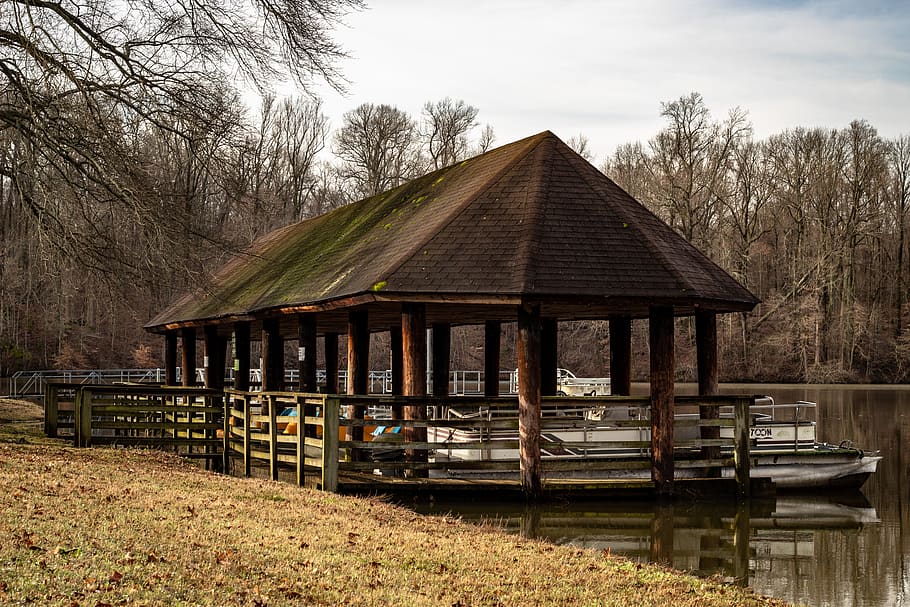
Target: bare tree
582	146
445	129
486	140
80	80
376	145
899	195
688	161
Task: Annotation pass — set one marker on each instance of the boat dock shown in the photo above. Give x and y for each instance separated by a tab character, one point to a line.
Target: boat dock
339	443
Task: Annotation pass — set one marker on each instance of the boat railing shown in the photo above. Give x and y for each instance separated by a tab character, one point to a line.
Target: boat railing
791	412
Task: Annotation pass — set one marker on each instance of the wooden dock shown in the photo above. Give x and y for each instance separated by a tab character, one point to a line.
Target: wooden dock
303	438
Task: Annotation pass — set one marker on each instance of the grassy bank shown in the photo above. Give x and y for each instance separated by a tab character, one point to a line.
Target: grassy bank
109	527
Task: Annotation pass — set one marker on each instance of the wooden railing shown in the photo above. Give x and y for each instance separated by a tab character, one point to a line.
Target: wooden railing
462	436
469	435
179	419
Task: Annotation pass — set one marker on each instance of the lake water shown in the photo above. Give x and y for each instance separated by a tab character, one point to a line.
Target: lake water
820	550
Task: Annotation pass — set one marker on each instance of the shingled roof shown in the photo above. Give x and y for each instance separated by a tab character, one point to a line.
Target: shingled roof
531	220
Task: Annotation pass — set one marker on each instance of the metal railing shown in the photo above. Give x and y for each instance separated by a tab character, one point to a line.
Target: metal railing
32	383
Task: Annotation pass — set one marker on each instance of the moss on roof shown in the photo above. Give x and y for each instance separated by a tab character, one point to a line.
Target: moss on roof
528	218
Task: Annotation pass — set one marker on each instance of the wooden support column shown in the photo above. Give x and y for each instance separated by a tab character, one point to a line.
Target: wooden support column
272	356
241	363
491	350
529	365
213	357
414	350
358	371
706	354
442	346
188	357
331	363
621	355
661	330
549	342
397	368
306	353
170	358
242	356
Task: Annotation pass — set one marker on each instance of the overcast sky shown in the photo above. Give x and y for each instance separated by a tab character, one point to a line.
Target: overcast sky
603	68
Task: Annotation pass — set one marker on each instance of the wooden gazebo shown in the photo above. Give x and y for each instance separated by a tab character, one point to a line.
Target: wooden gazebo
528	232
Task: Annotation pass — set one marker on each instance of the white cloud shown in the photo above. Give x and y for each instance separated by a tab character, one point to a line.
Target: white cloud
603	68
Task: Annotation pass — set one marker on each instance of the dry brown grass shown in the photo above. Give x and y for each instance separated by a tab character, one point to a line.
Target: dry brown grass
108	527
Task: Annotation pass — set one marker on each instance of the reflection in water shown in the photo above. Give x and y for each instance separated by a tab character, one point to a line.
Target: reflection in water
816	550
735	542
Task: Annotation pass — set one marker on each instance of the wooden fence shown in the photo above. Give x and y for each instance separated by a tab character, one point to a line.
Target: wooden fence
462	437
470	437
184	420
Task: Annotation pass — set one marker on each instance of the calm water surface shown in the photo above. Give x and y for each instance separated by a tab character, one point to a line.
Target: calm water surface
818	550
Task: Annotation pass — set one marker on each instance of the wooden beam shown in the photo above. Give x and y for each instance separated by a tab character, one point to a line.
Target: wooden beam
491	351
442	346
661	333
170	358
706	355
414	349
214	351
272	356
306	352
549	342
397	368
529	366
242	356
188	357
358	370
621	355
331	363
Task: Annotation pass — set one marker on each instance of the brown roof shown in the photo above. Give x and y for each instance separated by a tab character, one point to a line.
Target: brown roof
531	219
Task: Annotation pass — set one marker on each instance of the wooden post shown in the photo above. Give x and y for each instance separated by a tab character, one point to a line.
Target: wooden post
304	410
491	350
741	533
83	429
170	358
332	410
414	357
621	355
529	365
226	436
442	346
247	444
306	352
706	355
661	330
741	455
241	356
241	365
273	436
213	355
51	405
272	356
331	363
397	355
188	357
213	365
549	346
358	372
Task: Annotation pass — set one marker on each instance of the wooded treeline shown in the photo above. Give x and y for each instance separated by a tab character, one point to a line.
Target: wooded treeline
814	221
129	170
